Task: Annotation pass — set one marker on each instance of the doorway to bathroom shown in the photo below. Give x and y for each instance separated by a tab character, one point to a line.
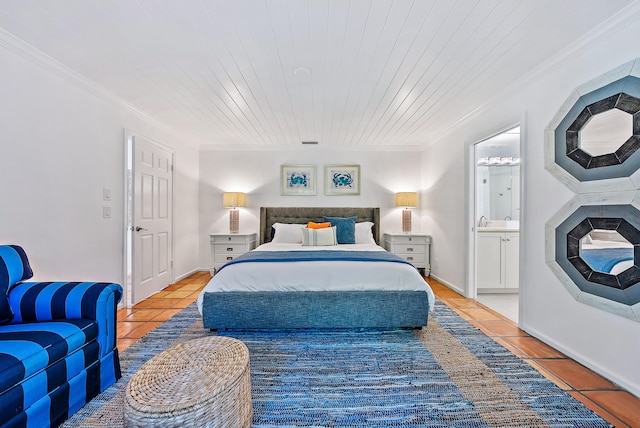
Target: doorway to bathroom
496	217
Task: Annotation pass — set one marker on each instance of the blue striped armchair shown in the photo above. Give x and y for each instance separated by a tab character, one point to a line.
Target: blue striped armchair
57	343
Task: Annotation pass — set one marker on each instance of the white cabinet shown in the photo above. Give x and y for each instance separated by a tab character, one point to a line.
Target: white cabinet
497	261
412	247
227	246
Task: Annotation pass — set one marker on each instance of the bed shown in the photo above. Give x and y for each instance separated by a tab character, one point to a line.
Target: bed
284	284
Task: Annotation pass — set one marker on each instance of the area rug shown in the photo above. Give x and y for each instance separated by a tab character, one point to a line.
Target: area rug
448	374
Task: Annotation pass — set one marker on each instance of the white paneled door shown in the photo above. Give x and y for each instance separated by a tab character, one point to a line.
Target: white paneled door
152	218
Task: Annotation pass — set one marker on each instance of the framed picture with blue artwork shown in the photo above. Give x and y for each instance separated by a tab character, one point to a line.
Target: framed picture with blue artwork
298	180
342	179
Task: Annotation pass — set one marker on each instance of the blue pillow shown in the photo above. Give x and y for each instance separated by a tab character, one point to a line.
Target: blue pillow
345	228
14	267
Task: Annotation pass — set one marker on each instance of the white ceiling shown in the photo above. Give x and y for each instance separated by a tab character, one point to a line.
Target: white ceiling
247	73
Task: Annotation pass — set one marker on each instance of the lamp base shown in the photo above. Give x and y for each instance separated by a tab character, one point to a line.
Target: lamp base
406	221
234	221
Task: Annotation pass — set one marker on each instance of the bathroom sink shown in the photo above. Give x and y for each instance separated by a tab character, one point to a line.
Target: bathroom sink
500	226
498	229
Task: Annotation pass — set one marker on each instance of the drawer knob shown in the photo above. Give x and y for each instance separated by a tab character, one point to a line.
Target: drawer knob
409	258
229	258
409	248
229	248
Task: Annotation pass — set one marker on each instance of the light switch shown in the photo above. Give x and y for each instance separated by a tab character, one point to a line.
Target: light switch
106	194
106	212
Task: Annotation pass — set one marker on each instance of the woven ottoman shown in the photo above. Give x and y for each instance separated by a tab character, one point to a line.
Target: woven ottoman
202	382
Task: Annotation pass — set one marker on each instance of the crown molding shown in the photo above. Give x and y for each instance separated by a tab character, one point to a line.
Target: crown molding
30	53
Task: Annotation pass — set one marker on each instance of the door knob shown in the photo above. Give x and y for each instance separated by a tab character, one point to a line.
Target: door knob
138	228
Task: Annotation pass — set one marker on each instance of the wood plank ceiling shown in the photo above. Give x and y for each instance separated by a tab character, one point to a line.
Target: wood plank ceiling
249	73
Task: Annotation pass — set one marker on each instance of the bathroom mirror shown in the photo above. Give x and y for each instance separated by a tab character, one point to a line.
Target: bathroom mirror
498	193
498	176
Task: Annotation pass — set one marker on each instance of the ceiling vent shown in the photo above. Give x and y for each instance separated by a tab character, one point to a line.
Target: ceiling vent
309	142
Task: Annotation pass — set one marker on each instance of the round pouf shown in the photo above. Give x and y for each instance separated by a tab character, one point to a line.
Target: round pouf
199	383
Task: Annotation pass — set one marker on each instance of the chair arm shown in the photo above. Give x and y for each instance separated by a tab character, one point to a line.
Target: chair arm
46	301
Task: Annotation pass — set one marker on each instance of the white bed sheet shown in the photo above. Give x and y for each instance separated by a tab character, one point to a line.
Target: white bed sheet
318	275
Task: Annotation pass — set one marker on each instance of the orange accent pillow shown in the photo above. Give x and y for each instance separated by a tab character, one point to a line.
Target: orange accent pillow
312	225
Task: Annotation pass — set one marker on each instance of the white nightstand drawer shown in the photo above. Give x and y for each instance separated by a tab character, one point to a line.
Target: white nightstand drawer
221	259
407	239
417	259
409	248
232	238
230	248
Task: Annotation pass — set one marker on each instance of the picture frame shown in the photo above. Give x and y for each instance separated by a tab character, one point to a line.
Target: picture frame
297	180
342	179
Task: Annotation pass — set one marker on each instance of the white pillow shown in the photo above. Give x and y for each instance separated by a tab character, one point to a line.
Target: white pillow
364	234
319	237
286	233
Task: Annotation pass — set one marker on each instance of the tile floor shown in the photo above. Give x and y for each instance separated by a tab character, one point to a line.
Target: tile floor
505	304
615	405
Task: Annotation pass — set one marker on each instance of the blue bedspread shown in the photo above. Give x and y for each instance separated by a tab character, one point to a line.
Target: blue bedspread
315	255
604	259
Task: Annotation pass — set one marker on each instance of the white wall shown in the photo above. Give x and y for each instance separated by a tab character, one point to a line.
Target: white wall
607	343
186	211
60	146
258	174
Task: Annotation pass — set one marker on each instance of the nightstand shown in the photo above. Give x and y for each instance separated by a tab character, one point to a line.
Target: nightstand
227	246
413	247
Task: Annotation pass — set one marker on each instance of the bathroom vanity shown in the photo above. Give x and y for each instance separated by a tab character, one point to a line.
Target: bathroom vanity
497	260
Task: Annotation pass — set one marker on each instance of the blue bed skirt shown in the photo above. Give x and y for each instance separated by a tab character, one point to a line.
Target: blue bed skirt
315	309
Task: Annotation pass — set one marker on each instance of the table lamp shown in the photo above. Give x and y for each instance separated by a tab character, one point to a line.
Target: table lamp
406	199
233	200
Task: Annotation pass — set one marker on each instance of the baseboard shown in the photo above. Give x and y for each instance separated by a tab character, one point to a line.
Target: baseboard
498	290
585	361
448	284
188	274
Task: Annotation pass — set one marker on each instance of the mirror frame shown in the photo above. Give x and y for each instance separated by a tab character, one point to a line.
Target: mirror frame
577	169
621	281
622	101
562	235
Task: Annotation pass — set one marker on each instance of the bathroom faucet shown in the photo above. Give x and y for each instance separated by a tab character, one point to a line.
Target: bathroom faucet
508	217
480	222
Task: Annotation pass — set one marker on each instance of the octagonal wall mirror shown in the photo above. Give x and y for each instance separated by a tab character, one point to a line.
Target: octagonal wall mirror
616	142
594	139
602	250
598	247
